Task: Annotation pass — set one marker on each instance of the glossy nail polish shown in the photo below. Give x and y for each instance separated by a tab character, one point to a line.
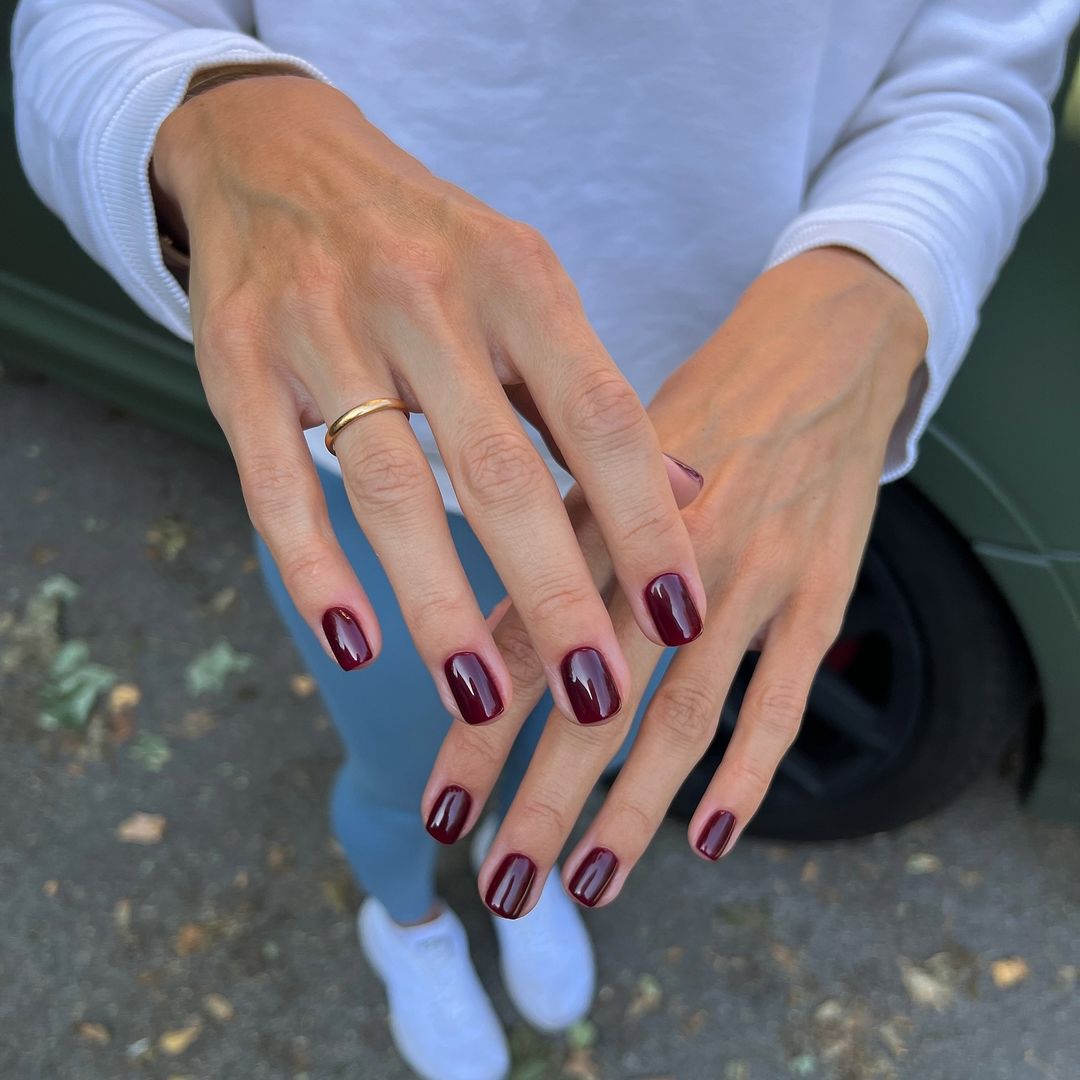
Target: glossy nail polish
593	876
449	814
673	610
347	641
589	685
689	470
473	688
509	888
713	839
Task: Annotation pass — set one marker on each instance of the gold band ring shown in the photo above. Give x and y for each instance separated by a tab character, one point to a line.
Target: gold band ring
366	408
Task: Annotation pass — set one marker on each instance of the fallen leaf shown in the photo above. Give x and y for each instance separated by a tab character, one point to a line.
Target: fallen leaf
1009	971
923	863
276	856
784	957
98	1034
223	600
197	723
167	537
152	751
122	914
73	687
579	1065
925	988
124	696
191	938
892	1037
646	997
51	887
694	1022
209	670
138	1049
141	828
218	1006
176	1042
810	872
302	685
582	1035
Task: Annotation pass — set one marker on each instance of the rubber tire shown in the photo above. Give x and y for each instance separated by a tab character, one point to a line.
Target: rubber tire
979	687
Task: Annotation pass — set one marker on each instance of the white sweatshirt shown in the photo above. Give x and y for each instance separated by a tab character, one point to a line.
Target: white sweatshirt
669	152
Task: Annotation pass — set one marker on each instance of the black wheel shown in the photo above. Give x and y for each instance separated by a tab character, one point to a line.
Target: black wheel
925	687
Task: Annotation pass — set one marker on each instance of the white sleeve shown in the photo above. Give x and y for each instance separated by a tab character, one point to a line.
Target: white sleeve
93	83
938	169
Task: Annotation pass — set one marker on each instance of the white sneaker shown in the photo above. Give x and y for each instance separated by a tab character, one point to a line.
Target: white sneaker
440	1017
546	957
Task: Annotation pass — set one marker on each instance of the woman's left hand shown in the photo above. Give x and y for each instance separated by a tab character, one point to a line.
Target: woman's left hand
787	411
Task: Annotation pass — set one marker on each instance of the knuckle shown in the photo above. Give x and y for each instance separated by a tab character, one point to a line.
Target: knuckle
231	326
481	749
688	713
271	487
306	568
518	652
543	811
552	602
527	249
411	267
751	774
778	709
499	467
385	475
604	406
315	286
641	824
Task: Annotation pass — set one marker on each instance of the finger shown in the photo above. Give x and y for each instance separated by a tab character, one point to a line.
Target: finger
512	503
609	444
397	503
286	505
679	725
471	759
564	768
768	723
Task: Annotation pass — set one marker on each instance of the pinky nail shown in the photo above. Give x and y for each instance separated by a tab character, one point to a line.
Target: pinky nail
714	838
347	641
688	469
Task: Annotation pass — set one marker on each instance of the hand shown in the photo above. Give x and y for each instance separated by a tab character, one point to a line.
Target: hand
787	410
329	267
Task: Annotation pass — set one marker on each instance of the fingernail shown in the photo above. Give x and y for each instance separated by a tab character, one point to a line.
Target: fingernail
713	839
593	876
510	886
449	814
350	647
589	685
673	610
473	688
689	470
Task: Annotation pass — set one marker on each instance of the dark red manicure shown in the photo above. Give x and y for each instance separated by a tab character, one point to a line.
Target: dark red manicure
589	685
350	647
672	609
713	839
688	469
593	876
509	888
473	688
449	814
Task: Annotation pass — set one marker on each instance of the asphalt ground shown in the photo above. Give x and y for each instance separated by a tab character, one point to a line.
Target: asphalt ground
144	672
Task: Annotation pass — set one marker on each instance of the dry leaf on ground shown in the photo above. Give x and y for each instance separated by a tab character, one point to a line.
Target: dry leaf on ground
141	828
176	1042
98	1034
218	1006
1009	971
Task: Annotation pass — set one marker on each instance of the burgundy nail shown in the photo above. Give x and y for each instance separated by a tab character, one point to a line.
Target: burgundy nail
509	888
350	647
688	469
589	685
713	839
449	814
672	609
473	688
593	876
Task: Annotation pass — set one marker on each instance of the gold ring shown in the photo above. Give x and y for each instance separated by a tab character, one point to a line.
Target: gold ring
366	408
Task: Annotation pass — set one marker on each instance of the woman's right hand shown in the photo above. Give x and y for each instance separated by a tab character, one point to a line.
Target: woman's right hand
329	267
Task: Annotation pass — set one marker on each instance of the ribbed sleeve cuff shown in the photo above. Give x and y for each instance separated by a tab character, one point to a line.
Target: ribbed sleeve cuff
116	156
950	314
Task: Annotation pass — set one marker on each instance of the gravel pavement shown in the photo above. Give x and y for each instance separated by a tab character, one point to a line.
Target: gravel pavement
172	906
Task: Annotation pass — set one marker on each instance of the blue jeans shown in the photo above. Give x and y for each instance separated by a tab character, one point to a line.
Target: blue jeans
392	722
